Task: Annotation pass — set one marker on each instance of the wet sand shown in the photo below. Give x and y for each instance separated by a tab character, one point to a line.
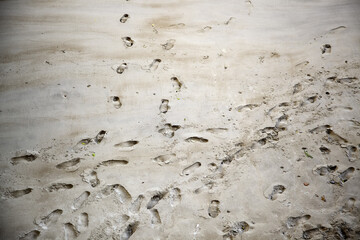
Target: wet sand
191	119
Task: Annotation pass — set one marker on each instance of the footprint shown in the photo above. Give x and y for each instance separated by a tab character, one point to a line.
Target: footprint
216	130
297	88
116	102
284	104
155	199
20	193
315	233
127	144
51	218
100	136
346	175
205	29
309	100
155	216
83	221
269	130
319	129
339	107
155	64
135	206
262	141
337	28
58	186
70	231
128	42
84	141
281	122
207	186
196	139
29	156
90	176
214	209
276	190
120	69
124	18
294	221
302	64
349	205
331	79
325	150
164	106
123	219
228	21
352	153
69	166
178	25
190	169
355	123
332	137
312	99
169	44
273	132
347	80
236	229
326	48
78	202
112	162
164	159
33	235
130	230
212	167
324	170
247	107
176	83
174	196
122	194
107	190
169	130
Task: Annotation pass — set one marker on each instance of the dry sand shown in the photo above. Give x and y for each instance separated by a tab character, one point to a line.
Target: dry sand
184	119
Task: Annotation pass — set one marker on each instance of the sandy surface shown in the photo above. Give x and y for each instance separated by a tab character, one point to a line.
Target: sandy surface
187	119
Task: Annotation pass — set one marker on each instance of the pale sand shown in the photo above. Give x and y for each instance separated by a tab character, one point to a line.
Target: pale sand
208	141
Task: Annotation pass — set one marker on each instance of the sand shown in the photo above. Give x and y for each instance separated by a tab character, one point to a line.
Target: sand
180	119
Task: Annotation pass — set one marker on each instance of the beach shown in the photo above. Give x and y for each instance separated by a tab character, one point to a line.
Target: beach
180	119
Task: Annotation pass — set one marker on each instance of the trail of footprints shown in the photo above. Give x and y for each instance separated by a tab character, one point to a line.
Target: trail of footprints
89	176
173	195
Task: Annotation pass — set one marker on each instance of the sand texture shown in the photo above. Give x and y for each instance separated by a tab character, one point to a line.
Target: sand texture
180	119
